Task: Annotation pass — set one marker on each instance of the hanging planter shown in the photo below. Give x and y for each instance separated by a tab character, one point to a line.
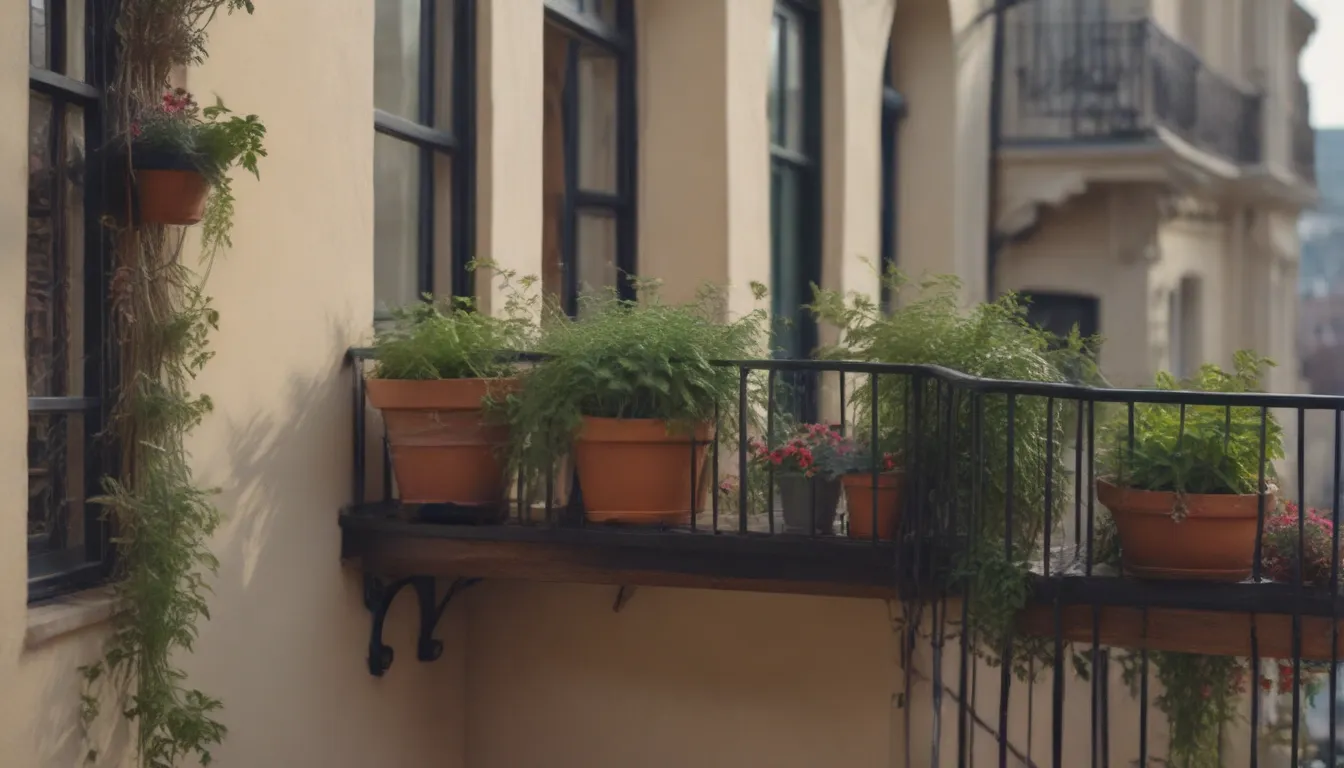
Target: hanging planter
641	471
180	151
1183	484
169	188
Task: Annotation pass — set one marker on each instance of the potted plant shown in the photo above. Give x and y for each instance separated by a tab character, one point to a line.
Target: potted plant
178	151
1185	490
809	493
630	390
442	374
1279	547
873	483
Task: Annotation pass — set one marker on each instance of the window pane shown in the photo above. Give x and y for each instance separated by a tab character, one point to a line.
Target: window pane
396	57
396	239
38	52
786	258
445	19
443	228
602	10
54	263
793	86
74	39
55	480
597	120
596	251
775	104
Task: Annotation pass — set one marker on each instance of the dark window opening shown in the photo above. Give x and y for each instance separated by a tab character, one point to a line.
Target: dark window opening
66	345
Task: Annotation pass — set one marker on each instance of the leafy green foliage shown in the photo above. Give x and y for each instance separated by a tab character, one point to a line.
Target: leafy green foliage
631	360
992	340
213	139
1198	448
450	339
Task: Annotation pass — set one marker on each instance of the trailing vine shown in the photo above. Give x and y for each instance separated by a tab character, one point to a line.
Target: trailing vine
162	519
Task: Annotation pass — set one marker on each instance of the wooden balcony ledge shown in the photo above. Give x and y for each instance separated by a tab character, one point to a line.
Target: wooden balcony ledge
384	542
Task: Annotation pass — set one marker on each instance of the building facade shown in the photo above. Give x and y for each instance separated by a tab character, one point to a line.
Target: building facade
788	142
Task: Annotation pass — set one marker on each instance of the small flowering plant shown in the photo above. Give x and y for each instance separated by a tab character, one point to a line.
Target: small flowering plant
1278	546
808	451
856	456
179	134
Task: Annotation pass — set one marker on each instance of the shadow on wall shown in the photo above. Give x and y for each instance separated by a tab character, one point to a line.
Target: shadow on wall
57	733
285	648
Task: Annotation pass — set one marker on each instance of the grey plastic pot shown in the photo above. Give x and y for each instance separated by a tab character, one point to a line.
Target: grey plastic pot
802	497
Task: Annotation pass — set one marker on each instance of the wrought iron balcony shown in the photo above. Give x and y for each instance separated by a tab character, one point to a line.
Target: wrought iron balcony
1018	468
1089	81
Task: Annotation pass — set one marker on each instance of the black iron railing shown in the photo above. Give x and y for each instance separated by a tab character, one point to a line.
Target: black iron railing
1121	80
1009	473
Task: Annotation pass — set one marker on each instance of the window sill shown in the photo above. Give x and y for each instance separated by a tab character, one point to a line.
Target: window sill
67	615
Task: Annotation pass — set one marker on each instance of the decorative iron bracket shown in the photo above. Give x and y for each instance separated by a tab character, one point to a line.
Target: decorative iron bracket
378	597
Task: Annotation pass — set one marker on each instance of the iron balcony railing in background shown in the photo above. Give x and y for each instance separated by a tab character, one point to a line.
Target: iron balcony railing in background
1011	470
1104	80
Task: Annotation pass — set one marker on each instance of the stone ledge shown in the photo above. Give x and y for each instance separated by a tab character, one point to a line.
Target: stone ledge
65	615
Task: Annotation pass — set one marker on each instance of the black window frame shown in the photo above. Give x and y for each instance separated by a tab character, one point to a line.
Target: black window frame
54	568
894	109
1086	305
457	142
588	27
795	333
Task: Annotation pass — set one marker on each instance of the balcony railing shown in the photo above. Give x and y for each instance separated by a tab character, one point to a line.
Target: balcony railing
1119	81
1002	471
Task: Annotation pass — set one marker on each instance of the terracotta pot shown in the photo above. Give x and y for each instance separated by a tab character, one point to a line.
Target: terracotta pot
171	196
859	503
444	450
1215	542
803	497
636	471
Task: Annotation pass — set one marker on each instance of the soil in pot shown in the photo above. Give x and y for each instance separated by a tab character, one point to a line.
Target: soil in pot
859	494
1215	541
169	188
444	448
636	471
809	503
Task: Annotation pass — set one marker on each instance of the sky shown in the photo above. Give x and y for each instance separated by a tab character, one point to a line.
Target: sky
1323	63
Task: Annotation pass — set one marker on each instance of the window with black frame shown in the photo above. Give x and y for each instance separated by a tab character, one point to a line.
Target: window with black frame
65	340
423	157
795	185
588	240
893	112
1060	313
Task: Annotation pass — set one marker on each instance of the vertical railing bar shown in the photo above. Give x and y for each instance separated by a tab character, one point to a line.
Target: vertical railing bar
1057	695
1006	673
770	383
524	506
1143	692
714	451
550	491
1097	667
387	467
1091	483
742	450
843	404
873	447
936	639
1078	479
1255	698
1334	600
1049	482
1298	576
357	491
1260	492
695	481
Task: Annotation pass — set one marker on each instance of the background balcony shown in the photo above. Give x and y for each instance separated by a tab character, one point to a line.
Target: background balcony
1118	81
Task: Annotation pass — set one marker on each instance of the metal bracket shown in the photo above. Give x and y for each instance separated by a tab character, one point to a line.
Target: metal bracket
378	597
623	596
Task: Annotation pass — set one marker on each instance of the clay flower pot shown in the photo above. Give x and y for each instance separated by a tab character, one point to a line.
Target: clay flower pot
1215	541
169	188
809	503
444	450
859	502
637	471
